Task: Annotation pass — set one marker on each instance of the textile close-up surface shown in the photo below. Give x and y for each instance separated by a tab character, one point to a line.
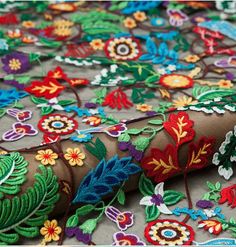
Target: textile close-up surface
117	123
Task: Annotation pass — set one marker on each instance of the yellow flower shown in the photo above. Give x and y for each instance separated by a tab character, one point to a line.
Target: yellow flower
140	16
97	44
46	157
129	23
192	58
225	84
183	101
144	107
15	64
74	156
28	24
65	31
50	231
2	152
63	23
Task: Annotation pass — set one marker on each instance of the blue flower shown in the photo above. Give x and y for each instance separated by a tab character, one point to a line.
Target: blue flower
82	137
158	22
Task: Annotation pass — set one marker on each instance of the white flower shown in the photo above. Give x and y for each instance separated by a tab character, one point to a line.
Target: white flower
171	67
156	199
209	213
161	71
226	173
53	103
113	68
215	159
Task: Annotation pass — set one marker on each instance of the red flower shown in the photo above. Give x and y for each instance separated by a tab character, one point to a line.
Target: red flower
77	81
228	194
9	19
48	88
117	99
179	127
212	226
161	164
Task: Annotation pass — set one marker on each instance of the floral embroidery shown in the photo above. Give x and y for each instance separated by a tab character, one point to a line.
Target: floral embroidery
121	238
97	44
20	116
46	157
129	23
81	137
50	231
123	48
140	16
57	124
177	17
176	81
122	219
169	232
74	156
144	107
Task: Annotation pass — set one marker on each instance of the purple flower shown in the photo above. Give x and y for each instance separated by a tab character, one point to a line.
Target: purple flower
18	131
226	62
90	105
21	116
79	234
14	83
199	18
122	219
16	63
176	17
151	113
136	154
229	76
204	204
123	146
120	238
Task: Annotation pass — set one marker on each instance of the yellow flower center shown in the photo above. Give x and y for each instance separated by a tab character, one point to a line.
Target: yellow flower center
14	64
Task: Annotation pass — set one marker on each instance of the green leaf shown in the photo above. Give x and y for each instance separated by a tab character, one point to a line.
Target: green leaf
50	43
218	185
141	143
2	112
33	57
98	149
155	121
72	221
23	79
172	197
152	78
46	110
210	185
152	213
124	137
121	197
66	102
133	131
145	186
85	210
89	226
37	100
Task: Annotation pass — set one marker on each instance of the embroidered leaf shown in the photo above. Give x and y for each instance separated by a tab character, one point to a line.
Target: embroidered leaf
121	197
46	110
145	186
134	131
30	209
84	210
124	137
141	143
37	100
199	153
99	181
172	197
226	156
179	127
151	212
97	149
49	88
13	168
161	164
155	122
139	95
72	221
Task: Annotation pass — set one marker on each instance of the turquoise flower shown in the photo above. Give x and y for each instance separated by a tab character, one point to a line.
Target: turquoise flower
158	22
82	137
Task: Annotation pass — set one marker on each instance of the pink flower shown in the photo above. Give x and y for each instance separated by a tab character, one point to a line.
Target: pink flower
20	116
115	130
18	131
177	17
122	219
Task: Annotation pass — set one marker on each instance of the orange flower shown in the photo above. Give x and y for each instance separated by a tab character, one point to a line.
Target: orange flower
164	93
225	84
14	34
192	58
140	16
46	157
28	24
144	107
2	152
183	101
74	156
92	120
29	39
50	231
129	23
176	81
97	44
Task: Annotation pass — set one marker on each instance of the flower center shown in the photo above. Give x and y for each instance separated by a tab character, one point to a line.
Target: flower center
157	199
14	64
51	230
20	130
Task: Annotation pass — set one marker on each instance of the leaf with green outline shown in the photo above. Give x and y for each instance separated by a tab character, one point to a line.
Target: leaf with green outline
97	149
37	100
23	215
13	168
2	112
146	186
172	197
46	110
66	102
121	197
151	212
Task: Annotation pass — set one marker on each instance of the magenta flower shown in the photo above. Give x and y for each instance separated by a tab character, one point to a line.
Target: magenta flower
18	131
120	238
115	130
21	116
176	17
16	63
123	220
